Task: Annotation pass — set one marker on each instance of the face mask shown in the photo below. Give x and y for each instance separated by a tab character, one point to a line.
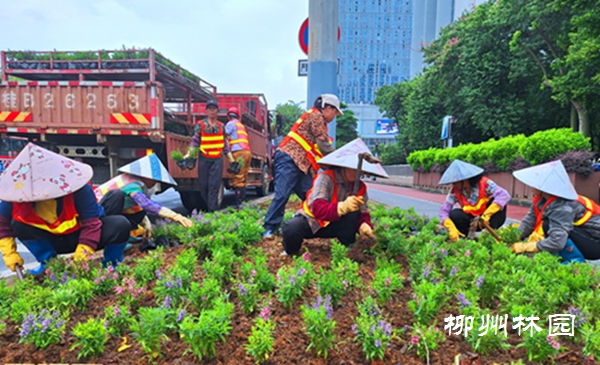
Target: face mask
152	191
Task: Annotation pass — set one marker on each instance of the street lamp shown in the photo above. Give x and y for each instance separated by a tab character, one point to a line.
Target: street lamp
297	105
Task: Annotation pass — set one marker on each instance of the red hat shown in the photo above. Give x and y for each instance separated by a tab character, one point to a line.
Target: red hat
233	111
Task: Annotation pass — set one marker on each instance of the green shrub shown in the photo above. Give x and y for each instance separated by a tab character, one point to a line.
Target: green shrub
543	146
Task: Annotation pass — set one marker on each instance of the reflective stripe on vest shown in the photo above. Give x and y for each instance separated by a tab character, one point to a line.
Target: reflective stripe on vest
480	206
211	144
242	137
539	212
591	209
313	154
118	183
334	198
65	224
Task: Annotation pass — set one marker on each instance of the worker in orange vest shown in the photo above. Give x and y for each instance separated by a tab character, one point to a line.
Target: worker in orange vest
49	205
567	223
477	196
330	210
297	156
210	139
237	136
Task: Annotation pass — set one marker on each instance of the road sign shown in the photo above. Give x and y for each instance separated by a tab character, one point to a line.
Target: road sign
302	67
303	36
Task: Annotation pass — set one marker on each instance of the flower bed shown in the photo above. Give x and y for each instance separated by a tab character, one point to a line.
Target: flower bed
225	296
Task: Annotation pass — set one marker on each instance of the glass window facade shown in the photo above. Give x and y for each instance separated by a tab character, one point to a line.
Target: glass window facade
374	48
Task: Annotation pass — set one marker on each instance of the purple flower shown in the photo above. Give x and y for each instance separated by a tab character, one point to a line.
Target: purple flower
59	324
180	315
26	326
169	284
53	277
178	282
426	272
479	281
64	279
158	275
292	280
265	313
444	252
45	324
453	271
242	289
463	300
167	302
301	272
385	327
377	343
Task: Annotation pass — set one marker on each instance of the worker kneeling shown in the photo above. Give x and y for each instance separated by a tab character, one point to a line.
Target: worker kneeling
48	204
566	224
331	209
129	194
477	196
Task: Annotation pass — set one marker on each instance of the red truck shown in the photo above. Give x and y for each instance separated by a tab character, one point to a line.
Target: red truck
109	108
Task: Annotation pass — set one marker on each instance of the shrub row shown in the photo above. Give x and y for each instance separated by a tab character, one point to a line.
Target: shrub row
511	153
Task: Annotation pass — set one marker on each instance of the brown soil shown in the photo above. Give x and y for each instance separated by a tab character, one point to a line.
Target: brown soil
291	342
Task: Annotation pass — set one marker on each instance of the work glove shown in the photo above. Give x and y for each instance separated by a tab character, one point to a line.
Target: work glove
147	227
10	254
522	247
534	237
230	157
490	211
175	217
234	168
453	232
366	230
83	252
351	204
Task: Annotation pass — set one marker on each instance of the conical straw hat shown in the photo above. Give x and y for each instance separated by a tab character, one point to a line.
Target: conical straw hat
459	171
37	174
149	167
550	177
347	156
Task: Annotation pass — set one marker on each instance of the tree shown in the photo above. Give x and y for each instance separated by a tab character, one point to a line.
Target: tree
346	125
289	114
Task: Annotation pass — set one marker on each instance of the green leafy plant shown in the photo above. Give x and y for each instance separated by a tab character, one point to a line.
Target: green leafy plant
91	337
248	295
176	155
292	281
371	329
428	299
129	292
426	340
149	329
211	326
260	342
105	280
117	318
203	296
42	330
319	325
540	347
144	268
387	279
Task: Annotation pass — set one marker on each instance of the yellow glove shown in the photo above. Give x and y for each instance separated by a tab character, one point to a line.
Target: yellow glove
9	253
83	252
230	157
147	227
490	211
534	237
453	232
522	247
175	217
366	230
351	204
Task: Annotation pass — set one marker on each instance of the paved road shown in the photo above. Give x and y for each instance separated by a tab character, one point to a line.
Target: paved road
424	203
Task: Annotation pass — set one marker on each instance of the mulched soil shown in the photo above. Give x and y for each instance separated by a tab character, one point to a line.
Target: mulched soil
290	340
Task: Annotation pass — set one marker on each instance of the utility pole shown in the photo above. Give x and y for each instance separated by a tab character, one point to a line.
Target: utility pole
322	51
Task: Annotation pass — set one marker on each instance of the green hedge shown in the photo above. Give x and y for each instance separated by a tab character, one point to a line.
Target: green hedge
538	148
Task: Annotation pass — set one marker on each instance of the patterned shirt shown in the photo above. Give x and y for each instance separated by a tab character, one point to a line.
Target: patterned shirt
312	128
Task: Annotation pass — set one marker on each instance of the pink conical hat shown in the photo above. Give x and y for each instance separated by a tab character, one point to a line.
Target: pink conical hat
37	174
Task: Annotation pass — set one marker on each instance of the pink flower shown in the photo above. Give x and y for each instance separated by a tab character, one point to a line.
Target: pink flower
388	281
414	340
468	253
306	256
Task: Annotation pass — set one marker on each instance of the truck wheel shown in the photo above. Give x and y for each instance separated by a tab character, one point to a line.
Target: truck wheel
192	200
265	180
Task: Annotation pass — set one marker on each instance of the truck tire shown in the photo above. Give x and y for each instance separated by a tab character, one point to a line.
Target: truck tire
265	179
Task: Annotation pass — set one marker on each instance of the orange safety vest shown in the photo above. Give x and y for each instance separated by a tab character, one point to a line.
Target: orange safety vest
211	144
334	198
480	206
591	209
242	137
117	183
65	224
313	154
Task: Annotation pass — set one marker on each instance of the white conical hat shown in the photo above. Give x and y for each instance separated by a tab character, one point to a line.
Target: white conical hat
550	177
149	167
347	156
37	174
459	171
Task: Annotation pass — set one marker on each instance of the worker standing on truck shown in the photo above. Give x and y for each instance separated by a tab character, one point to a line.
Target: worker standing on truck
330	209
297	156
477	196
129	194
568	223
210	139
48	203
237	136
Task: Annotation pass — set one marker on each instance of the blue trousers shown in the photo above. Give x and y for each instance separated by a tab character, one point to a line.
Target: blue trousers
288	178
